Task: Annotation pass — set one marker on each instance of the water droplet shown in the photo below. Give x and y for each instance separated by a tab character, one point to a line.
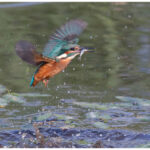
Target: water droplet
78	134
89	109
129	16
23	135
82	65
91	37
19	132
68	92
118	57
125	26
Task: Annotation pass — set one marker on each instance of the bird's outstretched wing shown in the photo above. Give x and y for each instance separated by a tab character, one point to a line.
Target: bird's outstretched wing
64	37
27	52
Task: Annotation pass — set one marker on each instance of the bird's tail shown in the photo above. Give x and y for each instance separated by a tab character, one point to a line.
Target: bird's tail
33	81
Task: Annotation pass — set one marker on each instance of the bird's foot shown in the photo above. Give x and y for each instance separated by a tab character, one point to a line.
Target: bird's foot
45	82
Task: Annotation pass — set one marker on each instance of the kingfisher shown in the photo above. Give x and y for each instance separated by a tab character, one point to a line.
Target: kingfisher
62	47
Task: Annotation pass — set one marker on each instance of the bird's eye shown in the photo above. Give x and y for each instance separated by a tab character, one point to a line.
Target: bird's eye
72	48
75	48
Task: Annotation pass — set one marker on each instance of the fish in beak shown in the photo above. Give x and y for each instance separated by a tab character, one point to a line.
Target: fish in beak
83	50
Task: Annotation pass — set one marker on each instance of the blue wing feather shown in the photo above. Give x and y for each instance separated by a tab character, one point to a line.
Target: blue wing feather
66	35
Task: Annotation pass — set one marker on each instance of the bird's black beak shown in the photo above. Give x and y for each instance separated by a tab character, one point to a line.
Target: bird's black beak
87	49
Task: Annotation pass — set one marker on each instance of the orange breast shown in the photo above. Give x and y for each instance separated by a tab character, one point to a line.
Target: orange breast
49	70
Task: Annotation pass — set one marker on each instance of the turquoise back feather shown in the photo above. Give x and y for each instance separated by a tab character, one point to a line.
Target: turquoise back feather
64	38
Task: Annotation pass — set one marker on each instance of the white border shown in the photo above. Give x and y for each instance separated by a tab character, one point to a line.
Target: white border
74	1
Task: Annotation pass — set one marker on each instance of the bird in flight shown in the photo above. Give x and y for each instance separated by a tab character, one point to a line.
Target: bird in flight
61	48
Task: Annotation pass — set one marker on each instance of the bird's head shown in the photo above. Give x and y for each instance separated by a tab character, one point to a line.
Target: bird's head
73	52
69	55
80	51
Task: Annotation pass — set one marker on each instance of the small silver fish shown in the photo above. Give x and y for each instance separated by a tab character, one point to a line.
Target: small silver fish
82	52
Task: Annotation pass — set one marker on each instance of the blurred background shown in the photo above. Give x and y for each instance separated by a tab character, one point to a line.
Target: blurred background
120	66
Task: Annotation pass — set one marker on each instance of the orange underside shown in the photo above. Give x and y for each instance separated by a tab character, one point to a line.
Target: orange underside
49	70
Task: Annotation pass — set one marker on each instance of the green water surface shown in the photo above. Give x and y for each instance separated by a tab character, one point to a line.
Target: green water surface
106	89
